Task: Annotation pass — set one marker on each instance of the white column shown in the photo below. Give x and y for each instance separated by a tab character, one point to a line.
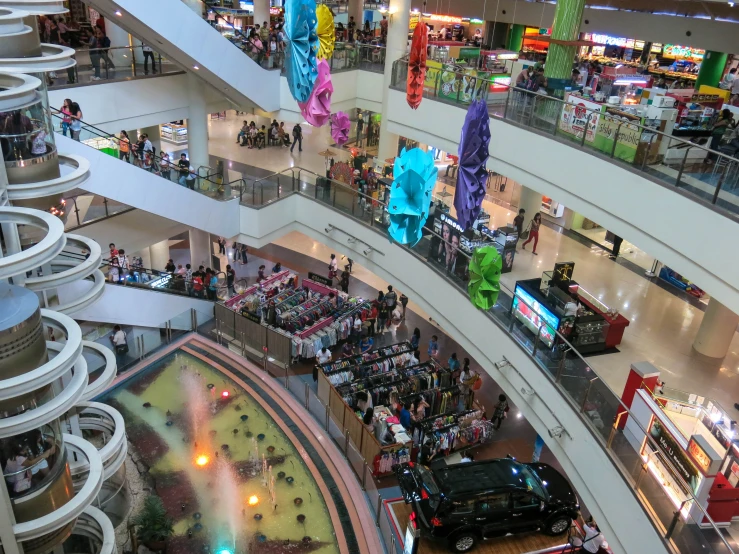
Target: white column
118	37
159	255
531	202
716	331
200	248
197	123
145	254
261	12
397	44
356	10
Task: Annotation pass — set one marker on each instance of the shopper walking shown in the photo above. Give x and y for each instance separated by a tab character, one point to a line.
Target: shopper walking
391	298
165	166
188	279
230	279
183	166
453	364
404	303
518	221
148	53
124	146
260	274
212	284
415	338
533	233
500	412
244	249
344	281
332	267
66	111
221	246
360	129
382	316
75	126
433	350
95	51
297	138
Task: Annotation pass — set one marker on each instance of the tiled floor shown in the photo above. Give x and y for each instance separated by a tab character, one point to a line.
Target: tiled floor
663	326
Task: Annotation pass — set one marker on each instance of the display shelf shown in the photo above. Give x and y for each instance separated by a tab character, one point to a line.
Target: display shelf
172	132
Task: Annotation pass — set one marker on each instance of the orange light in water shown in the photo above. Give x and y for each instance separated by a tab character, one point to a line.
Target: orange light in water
253	500
224	394
202	460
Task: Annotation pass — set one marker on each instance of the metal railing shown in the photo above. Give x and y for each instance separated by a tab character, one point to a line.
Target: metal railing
110	64
706	175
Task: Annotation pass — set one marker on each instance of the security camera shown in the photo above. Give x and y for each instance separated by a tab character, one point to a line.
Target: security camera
368	251
501	364
527	392
329	229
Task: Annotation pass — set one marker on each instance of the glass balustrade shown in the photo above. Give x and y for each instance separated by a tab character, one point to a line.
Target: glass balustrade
708	176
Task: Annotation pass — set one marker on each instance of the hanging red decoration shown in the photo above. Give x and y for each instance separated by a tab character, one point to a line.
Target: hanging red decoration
417	66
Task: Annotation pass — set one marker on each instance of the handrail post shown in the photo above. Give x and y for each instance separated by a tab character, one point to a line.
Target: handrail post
326	425
587	393
346	443
585	131
105	203
615	139
76	210
536	341
379	510
507	100
682	168
674	521
533	108
307	395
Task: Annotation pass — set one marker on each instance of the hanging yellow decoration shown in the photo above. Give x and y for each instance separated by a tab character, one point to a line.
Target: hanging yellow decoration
326	32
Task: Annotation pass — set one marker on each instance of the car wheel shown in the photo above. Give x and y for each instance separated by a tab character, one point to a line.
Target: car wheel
558	525
464	542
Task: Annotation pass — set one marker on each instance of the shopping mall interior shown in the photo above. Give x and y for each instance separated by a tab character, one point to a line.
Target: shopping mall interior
286	276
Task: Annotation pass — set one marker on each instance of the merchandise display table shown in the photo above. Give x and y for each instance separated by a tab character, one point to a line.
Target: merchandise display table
617	324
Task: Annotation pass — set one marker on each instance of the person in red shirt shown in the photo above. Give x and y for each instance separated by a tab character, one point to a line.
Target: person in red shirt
113	250
197	284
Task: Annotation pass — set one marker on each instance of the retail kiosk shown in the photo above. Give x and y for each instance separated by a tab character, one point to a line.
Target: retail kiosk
557	303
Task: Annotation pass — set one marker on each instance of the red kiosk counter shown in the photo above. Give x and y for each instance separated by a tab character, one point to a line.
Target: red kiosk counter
617	322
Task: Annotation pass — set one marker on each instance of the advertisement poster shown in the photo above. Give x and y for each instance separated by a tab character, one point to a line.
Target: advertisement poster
445	251
575	118
534	316
675	454
629	134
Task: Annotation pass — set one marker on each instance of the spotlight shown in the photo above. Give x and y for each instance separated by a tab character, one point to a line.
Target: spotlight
202	460
118	13
501	364
368	251
329	228
253	500
225	394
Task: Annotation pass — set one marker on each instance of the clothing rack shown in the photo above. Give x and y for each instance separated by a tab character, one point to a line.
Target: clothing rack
263	284
374	381
445	389
363	305
361	360
288	299
315	328
318	287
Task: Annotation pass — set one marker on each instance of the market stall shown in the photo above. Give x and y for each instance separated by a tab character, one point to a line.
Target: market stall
173	132
555	303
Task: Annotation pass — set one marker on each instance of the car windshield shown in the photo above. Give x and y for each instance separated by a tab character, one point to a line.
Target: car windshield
428	483
533	483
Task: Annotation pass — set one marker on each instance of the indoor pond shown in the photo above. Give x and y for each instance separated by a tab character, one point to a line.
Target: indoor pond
229	477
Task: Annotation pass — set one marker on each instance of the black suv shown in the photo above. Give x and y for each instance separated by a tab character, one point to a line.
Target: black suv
464	503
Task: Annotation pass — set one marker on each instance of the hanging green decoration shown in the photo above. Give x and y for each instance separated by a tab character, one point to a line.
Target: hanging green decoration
484	285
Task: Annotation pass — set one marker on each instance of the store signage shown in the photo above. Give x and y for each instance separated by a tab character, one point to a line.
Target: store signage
611	41
476	21
444	18
415	20
700	457
674	453
251	317
614	121
638	45
453	223
320	279
275	11
563	271
677	51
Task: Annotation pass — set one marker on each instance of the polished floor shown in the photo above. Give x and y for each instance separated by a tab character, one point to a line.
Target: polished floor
663	325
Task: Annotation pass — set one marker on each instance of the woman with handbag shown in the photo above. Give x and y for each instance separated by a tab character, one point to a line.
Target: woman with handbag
533	233
118	338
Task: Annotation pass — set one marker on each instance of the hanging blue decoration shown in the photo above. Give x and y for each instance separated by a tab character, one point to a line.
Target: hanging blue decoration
302	45
473	155
410	195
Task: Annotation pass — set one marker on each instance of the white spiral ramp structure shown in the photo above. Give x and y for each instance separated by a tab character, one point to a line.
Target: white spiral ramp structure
46	386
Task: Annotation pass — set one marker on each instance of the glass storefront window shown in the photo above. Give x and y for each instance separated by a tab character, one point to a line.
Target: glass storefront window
29	460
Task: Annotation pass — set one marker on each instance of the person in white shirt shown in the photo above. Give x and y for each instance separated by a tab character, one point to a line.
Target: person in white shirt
466	458
364	401
123	261
593	538
333	267
415	358
728	79
323	356
118	338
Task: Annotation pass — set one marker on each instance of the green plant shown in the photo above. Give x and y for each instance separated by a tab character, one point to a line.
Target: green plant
152	522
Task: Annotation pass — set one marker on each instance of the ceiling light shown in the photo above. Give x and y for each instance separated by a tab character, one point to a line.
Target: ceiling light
195	67
118	13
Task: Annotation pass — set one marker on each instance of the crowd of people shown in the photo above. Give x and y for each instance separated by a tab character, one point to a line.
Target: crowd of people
252	136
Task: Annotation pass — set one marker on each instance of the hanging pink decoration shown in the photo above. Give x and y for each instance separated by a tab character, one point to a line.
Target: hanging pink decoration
317	109
340	126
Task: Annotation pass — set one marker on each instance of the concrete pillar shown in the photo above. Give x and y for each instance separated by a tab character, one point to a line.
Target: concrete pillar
716	331
200	248
145	254
531	202
566	26
159	255
197	123
397	45
515	37
712	69
195	5
356	10
118	37
261	12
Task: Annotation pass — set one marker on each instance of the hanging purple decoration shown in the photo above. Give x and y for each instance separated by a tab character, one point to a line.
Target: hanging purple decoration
340	126
473	155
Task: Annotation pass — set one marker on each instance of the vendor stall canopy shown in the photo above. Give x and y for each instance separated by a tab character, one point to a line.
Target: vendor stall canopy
701	9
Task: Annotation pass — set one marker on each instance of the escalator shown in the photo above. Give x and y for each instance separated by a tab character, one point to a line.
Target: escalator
173	28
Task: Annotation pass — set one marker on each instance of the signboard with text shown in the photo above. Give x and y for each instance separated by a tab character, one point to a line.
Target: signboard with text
614	121
675	454
574	119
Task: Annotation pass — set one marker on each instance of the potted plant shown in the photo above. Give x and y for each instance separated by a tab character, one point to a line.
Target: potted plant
152	525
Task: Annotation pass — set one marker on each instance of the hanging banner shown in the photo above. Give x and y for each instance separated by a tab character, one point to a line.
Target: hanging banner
574	118
612	121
